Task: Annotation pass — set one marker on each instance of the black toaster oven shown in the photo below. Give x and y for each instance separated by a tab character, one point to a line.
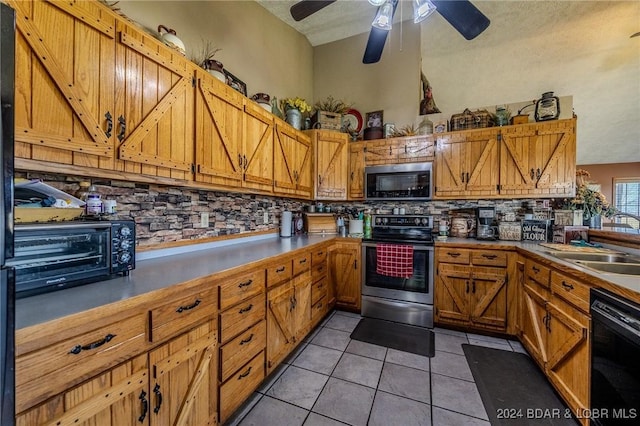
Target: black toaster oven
53	256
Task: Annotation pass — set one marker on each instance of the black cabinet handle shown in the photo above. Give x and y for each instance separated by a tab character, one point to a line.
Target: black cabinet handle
247	309
123	128
473	287
109	118
538	173
462	176
303	261
247	340
467	176
145	406
181	309
244	160
156	390
319	180
320	253
568	287
280	269
355	264
532	173
535	269
454	254
79	348
351	175
489	256
239	160
245	374
467	290
245	284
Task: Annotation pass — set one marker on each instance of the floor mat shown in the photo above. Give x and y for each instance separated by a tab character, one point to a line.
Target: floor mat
514	390
402	337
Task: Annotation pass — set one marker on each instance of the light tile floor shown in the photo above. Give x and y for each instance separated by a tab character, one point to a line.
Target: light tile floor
333	380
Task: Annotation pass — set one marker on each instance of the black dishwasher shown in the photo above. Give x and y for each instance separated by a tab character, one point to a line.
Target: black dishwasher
615	360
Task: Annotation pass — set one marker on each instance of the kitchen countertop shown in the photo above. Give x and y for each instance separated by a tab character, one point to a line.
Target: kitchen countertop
162	272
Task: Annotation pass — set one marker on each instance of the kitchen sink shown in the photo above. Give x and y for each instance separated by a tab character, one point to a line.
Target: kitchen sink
597	257
614	268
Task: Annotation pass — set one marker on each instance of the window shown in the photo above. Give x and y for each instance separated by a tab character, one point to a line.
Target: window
626	196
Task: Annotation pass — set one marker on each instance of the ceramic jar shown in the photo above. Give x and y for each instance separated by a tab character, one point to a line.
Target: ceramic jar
216	69
169	37
263	100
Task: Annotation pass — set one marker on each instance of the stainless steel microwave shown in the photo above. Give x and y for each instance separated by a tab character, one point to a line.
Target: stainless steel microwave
411	181
53	256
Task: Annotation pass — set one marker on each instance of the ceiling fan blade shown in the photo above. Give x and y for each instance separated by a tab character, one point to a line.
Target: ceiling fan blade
463	16
305	8
376	41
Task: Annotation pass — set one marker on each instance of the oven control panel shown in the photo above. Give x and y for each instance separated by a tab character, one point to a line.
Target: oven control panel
403	221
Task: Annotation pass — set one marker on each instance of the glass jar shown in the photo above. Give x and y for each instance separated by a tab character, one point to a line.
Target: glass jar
502	116
425	127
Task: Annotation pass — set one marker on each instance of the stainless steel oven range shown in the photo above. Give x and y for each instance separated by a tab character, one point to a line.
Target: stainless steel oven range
407	300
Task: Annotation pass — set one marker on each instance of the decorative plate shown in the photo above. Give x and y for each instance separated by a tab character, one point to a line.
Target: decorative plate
353	119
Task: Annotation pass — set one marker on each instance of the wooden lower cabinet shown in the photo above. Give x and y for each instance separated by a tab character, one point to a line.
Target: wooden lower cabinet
172	384
346	274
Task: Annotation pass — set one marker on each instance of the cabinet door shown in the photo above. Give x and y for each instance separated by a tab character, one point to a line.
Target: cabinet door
450	165
452	293
65	82
119	396
219	124
489	298
482	169
356	171
383	151
257	151
344	265
154	106
304	166
280	325
416	149
534	323
184	379
568	349
302	302
285	166
539	159
331	165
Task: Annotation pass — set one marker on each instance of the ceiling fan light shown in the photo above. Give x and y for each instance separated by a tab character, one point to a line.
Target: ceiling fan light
376	2
422	9
384	17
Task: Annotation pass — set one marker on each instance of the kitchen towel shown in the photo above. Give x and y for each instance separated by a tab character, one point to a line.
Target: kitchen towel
394	260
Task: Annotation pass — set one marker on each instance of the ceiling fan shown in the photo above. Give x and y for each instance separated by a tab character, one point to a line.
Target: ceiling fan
461	14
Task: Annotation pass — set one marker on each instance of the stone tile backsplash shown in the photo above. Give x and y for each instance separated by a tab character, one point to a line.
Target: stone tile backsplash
165	214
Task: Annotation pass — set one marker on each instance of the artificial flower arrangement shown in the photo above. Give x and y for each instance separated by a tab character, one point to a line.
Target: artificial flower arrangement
590	201
295	103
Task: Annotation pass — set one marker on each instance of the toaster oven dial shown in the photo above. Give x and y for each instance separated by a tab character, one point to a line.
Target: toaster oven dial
125	244
125	231
124	257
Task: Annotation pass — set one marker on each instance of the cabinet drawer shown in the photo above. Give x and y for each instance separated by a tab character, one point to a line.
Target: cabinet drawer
240	386
318	310
240	350
451	255
489	258
279	272
318	290
537	273
301	263
318	256
237	319
171	318
241	287
572	291
319	271
49	371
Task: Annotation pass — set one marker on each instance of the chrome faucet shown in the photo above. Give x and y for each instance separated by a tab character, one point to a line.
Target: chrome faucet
624	225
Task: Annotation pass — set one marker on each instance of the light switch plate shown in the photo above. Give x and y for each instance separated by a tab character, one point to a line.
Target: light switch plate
265	217
204	220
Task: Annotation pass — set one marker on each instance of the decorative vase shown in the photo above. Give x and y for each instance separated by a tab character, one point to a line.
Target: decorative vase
594	222
216	69
294	118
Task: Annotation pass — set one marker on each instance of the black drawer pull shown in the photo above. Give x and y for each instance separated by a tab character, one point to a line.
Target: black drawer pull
320	253
280	269
489	256
156	390
535	269
79	348
453	254
245	374
567	286
245	284
303	260
181	309
145	406
247	340
247	309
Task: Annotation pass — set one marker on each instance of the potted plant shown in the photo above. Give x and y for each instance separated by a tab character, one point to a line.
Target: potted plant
591	201
293	109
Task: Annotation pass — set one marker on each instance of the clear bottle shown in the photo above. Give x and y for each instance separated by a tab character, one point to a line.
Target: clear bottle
94	202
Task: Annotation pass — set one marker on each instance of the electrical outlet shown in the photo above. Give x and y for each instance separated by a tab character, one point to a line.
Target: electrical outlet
265	217
204	220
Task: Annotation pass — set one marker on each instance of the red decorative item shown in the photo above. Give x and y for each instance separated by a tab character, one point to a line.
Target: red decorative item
394	260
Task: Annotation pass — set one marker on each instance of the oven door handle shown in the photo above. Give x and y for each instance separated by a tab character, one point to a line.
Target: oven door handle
416	247
616	324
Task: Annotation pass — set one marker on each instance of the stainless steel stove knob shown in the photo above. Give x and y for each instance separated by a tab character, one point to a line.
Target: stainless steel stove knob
425	221
385	220
416	221
378	220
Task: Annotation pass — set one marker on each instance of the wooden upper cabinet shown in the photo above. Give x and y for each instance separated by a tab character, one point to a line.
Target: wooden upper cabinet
292	162
219	125
467	164
356	171
331	164
92	90
538	159
381	152
65	82
416	149
153	120
257	149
